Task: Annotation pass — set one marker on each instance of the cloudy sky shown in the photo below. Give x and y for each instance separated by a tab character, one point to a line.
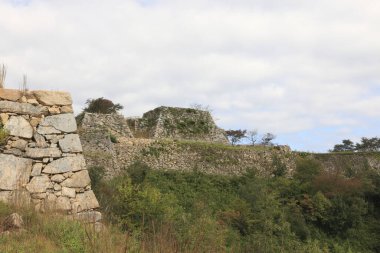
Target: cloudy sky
306	70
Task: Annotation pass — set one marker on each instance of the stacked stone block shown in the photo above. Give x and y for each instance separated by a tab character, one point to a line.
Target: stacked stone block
42	163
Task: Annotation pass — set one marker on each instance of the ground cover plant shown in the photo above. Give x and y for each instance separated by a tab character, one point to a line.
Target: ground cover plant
171	211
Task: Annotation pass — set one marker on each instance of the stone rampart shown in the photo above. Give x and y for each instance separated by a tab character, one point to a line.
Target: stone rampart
41	160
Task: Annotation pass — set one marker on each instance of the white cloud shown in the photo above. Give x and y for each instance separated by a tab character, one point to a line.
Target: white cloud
277	65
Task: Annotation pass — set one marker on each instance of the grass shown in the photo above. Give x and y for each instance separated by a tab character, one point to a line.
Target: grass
50	232
3	136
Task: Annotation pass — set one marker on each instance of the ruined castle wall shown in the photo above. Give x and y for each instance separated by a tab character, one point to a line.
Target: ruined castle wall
41	160
178	123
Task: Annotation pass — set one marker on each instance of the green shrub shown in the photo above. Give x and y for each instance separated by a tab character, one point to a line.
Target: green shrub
4	135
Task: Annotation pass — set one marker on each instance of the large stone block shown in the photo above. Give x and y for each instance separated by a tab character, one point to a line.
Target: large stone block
63	203
39	184
80	179
14	172
43	152
63	122
70	143
53	97
22	108
18	126
66	164
12	95
85	201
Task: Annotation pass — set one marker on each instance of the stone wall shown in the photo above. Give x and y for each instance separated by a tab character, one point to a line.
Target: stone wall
180	155
41	162
177	123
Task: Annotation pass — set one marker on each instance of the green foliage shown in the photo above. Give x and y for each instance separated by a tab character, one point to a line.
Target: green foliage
196	212
102	105
113	138
69	235
4	135
235	136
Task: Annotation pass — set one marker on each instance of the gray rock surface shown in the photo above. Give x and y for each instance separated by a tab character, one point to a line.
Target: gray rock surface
53	97
70	143
40	141
68	192
43	152
63	203
14	172
19	144
80	179
85	201
8	94
18	126
12	221
45	130
62	122
66	164
39	184
22	108
36	170
89	216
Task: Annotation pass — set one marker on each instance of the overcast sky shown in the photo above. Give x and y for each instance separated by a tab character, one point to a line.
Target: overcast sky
308	71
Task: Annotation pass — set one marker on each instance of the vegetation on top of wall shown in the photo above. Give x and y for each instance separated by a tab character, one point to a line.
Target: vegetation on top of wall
4	135
187	121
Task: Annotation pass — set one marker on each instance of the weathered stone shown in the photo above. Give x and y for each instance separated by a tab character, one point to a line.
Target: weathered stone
89	216
32	101
85	201
43	152
23	99
54	110
18	126
13	221
19	144
39	184
5	196
34	121
78	180
53	138
67	109
12	95
71	143
63	203
14	172
22	108
13	151
66	164
36	171
50	202
57	178
53	97
45	130
40	141
4	118
62	122
57	188
39	195
68	192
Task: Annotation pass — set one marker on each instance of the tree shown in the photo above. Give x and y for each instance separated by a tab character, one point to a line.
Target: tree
252	136
102	105
235	136
267	139
347	145
368	144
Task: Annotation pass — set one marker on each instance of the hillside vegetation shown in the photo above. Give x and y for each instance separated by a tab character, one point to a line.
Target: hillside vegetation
150	210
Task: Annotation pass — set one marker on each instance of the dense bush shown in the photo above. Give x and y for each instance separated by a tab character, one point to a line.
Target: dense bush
195	212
